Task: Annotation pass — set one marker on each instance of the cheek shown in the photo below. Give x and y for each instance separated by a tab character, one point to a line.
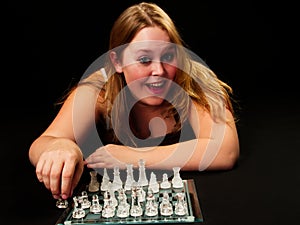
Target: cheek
171	71
133	73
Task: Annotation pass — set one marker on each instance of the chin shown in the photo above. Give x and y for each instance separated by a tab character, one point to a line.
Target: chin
152	101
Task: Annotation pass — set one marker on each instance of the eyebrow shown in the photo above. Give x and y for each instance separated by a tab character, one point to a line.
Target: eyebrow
168	48
143	50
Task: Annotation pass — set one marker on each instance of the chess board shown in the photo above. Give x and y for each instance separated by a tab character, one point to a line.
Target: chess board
193	214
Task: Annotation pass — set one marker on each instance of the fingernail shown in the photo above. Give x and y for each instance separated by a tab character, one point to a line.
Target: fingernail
56	196
64	196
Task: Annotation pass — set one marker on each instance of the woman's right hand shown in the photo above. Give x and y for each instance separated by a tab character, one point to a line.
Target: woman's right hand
60	166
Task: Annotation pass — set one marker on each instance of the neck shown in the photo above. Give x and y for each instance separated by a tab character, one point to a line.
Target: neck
141	115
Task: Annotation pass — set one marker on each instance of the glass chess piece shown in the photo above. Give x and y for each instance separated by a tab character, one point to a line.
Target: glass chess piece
139	191
165	183
108	209
94	185
141	194
95	207
180	204
123	206
142	181
84	200
136	209
151	207
112	195
117	182
166	207
105	180
153	184
78	211
177	181
62	203
129	177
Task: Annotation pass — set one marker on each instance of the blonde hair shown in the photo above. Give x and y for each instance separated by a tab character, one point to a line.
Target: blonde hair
198	81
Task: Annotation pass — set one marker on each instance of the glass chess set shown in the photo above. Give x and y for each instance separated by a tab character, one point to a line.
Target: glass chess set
113	201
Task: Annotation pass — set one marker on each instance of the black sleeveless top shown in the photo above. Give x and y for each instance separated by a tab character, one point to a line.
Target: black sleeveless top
186	133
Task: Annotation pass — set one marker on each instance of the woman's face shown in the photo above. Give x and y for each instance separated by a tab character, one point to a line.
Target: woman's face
149	64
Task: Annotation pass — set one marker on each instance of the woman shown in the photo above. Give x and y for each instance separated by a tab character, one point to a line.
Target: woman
151	99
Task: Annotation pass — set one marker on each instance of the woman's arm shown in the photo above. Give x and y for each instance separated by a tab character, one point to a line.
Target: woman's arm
215	148
55	153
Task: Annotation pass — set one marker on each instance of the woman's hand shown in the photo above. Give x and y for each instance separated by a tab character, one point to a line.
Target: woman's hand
60	167
103	157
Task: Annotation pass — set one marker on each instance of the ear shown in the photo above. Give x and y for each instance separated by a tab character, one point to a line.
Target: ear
116	62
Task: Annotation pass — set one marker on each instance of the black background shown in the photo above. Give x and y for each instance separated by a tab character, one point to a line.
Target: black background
251	45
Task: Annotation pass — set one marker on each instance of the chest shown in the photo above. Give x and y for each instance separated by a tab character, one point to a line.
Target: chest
152	126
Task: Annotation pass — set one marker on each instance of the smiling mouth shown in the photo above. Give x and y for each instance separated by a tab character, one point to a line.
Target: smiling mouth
157	88
156	85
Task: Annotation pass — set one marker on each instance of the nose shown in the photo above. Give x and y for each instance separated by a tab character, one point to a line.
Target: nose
157	68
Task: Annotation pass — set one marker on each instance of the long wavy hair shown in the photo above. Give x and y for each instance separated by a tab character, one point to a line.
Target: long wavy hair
195	78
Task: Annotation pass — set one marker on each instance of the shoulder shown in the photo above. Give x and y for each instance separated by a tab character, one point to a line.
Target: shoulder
199	116
203	112
198	110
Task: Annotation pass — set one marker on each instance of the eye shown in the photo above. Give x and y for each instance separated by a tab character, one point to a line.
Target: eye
168	57
144	60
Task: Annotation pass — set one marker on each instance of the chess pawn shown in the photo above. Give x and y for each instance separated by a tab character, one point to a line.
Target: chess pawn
141	194
85	203
112	194
165	183
136	209
105	180
180	205
108	209
94	184
139	191
166	207
153	184
78	211
62	203
95	207
151	207
123	206
177	181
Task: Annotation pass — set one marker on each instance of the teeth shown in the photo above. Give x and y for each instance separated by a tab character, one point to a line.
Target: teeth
156	85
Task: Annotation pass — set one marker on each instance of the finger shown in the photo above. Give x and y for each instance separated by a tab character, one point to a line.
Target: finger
100	152
55	179
66	179
95	158
97	165
38	170
77	176
46	174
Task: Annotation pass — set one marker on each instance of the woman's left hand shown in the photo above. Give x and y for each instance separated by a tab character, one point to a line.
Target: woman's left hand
102	158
